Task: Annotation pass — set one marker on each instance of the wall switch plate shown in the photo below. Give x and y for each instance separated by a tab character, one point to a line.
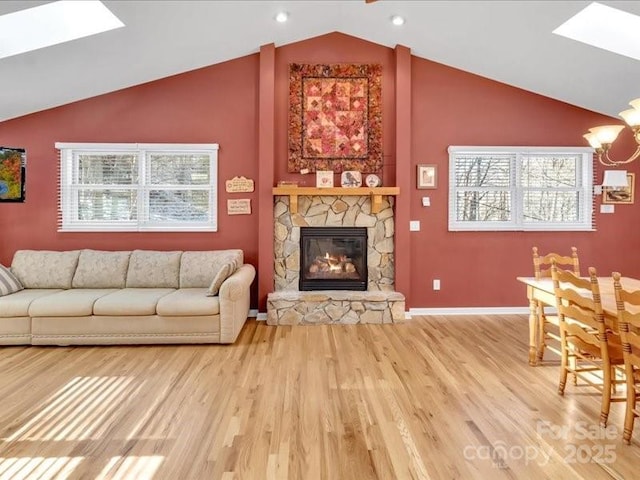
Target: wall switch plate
426	201
414	226
607	208
436	284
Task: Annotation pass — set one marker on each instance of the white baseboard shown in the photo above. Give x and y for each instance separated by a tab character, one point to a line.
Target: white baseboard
262	316
470	311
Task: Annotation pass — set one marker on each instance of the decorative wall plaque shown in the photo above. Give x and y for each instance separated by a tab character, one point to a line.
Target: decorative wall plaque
241	206
239	184
373	180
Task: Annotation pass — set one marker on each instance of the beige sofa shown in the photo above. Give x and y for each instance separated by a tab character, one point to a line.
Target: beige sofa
89	297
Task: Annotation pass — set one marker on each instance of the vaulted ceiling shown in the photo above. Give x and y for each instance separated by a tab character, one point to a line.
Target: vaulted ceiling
508	41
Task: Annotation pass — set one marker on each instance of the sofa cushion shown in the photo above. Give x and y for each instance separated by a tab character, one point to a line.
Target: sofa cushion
17	304
188	302
8	282
76	302
101	269
45	269
104	330
130	301
197	269
151	269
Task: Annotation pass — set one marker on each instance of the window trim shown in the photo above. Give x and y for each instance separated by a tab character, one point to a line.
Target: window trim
586	213
67	151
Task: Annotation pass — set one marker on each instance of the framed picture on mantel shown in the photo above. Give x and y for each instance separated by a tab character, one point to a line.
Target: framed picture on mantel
324	178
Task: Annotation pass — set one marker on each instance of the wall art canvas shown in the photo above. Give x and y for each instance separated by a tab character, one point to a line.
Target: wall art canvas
335	117
620	195
427	176
13	163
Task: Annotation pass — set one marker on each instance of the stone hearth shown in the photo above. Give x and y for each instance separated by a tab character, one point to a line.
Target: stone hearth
379	304
334	306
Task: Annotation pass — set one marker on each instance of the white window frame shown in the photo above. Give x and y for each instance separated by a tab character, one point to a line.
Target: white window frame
68	195
585	178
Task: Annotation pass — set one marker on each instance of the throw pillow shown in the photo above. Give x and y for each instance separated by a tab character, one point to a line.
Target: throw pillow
224	272
8	282
197	267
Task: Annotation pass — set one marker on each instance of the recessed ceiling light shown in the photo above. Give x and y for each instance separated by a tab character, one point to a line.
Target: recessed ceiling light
397	20
604	27
53	23
282	17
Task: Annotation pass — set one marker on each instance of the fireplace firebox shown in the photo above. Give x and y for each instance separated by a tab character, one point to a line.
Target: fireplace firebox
333	258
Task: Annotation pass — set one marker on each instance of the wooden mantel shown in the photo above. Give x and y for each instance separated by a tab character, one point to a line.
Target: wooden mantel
376	194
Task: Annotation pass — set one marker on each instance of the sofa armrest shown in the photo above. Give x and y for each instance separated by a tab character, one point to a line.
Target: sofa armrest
235	300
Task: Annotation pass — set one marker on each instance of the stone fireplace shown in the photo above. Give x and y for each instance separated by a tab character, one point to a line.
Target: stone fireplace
375	301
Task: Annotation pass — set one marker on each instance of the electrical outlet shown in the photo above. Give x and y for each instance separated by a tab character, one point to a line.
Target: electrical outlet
414	226
607	208
436	284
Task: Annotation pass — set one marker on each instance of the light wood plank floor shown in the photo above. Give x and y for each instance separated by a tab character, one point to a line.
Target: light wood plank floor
434	398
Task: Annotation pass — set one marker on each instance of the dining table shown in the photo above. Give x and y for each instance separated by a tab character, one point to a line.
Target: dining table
542	291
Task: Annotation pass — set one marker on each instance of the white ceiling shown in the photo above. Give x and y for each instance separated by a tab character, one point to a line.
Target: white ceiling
508	41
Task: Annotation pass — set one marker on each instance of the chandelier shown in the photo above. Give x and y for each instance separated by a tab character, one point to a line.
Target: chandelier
601	138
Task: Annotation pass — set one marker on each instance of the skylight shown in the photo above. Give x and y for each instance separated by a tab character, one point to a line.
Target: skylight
53	23
605	27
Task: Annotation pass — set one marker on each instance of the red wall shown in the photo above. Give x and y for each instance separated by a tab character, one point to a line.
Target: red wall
216	104
220	104
451	107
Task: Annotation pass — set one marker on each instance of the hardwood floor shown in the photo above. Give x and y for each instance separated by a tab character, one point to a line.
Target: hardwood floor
435	398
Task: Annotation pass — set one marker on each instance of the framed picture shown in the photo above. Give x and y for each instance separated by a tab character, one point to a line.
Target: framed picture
351	179
324	178
427	176
620	194
13	163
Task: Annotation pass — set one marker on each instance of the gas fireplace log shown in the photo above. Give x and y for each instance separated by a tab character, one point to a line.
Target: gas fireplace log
332	263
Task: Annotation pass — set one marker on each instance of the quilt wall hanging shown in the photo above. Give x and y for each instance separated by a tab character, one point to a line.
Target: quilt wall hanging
335	117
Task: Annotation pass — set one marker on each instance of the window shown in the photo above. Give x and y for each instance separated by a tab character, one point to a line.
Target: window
520	188
138	187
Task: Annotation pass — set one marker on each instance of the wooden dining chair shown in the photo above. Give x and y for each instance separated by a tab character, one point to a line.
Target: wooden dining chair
548	333
629	327
590	350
